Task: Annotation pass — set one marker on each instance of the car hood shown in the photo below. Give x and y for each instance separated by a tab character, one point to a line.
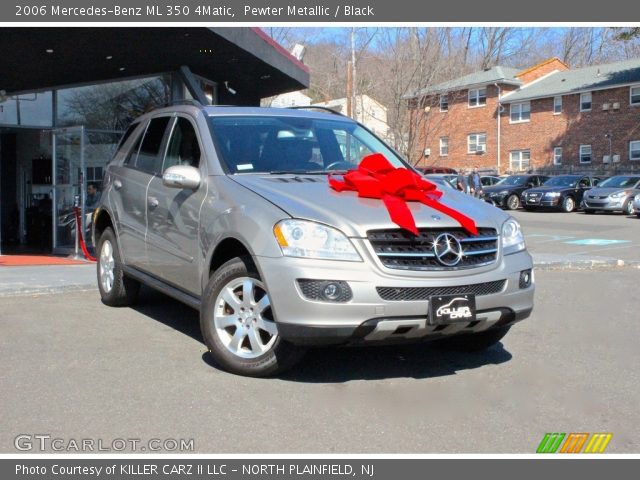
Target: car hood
311	198
548	189
606	191
501	188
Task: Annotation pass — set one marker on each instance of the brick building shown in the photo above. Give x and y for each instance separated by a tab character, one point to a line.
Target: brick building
544	118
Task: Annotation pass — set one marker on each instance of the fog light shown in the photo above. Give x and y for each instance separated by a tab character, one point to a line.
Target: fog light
325	290
525	278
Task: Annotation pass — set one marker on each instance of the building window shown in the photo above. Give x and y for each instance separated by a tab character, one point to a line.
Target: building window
520	112
477	97
585	153
634	150
444	103
557	156
444	146
477	142
585	102
634	93
557	105
519	160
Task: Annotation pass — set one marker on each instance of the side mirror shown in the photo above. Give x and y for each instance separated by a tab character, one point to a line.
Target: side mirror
181	176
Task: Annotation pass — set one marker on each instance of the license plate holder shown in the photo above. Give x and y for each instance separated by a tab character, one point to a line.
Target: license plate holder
447	309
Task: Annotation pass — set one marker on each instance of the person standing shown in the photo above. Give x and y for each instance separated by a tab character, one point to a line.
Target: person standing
462	182
475	185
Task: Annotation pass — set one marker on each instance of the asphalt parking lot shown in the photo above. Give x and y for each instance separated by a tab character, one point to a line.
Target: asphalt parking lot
76	369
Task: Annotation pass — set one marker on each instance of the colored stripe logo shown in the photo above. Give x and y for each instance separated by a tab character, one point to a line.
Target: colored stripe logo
574	443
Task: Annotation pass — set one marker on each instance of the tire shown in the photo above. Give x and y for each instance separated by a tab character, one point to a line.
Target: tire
242	335
568	205
628	207
474	342
589	211
513	202
116	289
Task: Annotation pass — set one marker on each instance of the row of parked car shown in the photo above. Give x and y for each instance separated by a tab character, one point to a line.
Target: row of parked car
591	193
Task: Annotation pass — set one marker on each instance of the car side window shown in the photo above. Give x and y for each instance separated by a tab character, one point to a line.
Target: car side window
147	159
183	148
133	153
584	182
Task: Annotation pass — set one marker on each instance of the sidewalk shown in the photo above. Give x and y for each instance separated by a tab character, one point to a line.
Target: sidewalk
32	280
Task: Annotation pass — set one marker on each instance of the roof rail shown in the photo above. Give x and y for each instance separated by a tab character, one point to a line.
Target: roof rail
317	107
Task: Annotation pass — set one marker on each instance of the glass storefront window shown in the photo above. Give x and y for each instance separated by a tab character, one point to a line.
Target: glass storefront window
111	106
31	110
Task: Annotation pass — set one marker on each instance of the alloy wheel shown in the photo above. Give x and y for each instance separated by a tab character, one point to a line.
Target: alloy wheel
243	319
107	264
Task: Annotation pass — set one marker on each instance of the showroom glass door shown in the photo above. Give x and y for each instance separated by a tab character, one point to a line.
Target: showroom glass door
68	186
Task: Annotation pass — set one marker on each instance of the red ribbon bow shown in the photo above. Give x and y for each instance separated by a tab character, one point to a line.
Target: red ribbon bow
375	177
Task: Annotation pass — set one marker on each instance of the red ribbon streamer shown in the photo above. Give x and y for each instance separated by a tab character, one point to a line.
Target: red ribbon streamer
83	245
375	177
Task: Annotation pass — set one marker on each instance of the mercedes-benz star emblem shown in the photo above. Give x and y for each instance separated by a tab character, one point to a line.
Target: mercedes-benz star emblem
448	250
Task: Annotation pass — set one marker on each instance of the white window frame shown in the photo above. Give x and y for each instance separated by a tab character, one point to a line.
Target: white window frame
476	142
445	96
444	142
557	101
631	95
557	155
474	93
519	109
631	150
590	102
520	155
580	154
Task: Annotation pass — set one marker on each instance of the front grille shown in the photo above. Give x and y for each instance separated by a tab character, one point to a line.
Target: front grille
408	294
400	249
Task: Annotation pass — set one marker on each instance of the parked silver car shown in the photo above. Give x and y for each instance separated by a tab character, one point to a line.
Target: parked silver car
636	205
229	210
615	194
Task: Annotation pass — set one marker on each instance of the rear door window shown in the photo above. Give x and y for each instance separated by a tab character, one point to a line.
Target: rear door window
148	158
183	148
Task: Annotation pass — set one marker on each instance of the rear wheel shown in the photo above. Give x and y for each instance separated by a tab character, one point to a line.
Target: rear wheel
513	202
238	324
568	205
116	289
474	342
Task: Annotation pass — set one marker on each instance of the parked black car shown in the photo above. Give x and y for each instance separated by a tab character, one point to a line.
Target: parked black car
506	193
563	192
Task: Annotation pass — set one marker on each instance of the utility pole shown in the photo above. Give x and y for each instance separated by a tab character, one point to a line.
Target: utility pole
349	90
353	74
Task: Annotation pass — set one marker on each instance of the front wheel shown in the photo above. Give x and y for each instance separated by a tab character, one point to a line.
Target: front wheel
238	324
568	205
474	342
628	207
513	202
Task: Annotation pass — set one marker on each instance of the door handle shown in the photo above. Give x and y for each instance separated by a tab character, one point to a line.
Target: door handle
153	202
117	184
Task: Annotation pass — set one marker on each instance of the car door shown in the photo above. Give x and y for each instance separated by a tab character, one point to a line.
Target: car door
129	185
173	214
584	184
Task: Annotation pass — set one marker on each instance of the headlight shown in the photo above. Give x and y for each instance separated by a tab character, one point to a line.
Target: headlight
552	194
301	238
512	238
618	194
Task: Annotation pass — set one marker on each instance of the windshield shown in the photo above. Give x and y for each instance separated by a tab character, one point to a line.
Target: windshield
620	182
279	144
513	181
562	181
442	180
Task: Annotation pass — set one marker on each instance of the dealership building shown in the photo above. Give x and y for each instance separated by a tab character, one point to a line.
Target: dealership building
68	94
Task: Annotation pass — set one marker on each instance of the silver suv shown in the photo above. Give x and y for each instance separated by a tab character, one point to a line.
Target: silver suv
228	209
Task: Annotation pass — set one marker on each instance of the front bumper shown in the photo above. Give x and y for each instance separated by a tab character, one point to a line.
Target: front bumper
496	199
606	204
541	202
369	317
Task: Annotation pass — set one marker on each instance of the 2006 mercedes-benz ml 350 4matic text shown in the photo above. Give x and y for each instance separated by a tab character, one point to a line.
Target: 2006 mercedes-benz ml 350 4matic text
229	210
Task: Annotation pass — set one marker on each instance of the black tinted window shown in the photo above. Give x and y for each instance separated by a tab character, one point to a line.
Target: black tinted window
127	134
183	147
148	156
133	153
